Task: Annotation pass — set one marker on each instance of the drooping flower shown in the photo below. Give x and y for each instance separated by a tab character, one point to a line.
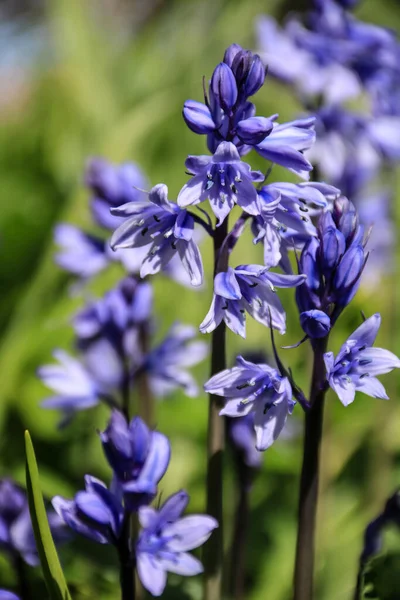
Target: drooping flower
248	288
113	185
96	513
258	388
16	532
166	364
357	364
165	539
165	228
138	456
74	387
242	435
81	254
223	179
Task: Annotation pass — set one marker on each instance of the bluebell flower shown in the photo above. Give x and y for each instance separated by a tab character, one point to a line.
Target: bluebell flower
96	513
81	253
16	532
113	185
223	179
248	288
242	434
166	364
165	539
258	388
165	228
287	208
7	595
138	456
74	387
357	364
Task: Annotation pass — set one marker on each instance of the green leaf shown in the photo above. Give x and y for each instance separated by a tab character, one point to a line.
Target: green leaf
52	571
381	580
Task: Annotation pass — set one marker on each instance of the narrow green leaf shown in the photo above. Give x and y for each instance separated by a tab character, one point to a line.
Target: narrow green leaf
52	571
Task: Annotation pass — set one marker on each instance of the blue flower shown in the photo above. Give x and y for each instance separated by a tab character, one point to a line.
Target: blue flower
166	364
165	539
315	323
138	456
81	254
357	364
16	532
112	186
165	228
255	388
248	288
223	179
243	437
73	385
96	513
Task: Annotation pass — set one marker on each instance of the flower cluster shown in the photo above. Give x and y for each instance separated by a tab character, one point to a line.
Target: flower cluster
345	58
333	263
139	458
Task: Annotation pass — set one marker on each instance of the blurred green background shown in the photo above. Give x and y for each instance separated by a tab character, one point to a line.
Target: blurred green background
82	78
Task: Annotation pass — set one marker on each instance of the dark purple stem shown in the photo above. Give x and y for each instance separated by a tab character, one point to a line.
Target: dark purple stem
308	500
23	584
127	563
213	549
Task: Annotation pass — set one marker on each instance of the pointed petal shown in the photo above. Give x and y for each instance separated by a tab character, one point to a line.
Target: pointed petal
269	422
380	361
182	564
372	387
189	532
236	408
344	389
184	226
151	573
191	192
365	334
214	316
226	285
190	256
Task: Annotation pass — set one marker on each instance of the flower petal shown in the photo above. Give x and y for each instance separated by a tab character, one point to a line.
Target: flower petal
151	573
189	532
226	285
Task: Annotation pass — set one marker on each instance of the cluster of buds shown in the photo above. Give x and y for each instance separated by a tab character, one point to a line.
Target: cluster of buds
333	262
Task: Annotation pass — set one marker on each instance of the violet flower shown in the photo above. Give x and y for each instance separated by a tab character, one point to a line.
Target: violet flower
16	532
74	387
248	288
96	513
223	179
258	388
357	364
165	228
138	456
166	364
165	539
113	185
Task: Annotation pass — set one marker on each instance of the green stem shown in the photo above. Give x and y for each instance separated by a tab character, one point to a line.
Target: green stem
213	549
308	500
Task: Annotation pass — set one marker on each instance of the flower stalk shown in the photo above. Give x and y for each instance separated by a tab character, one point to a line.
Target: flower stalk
308	499
213	550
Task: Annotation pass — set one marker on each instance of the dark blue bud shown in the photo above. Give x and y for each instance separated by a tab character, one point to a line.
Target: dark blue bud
333	248
306	299
254	130
315	323
347	276
198	117
230	53
249	72
223	85
309	265
345	217
256	77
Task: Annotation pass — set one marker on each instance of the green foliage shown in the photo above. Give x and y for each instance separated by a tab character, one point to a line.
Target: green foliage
381	580
52	571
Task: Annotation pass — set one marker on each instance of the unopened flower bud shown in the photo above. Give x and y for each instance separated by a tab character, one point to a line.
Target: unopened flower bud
223	85
315	323
254	130
230	53
198	117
